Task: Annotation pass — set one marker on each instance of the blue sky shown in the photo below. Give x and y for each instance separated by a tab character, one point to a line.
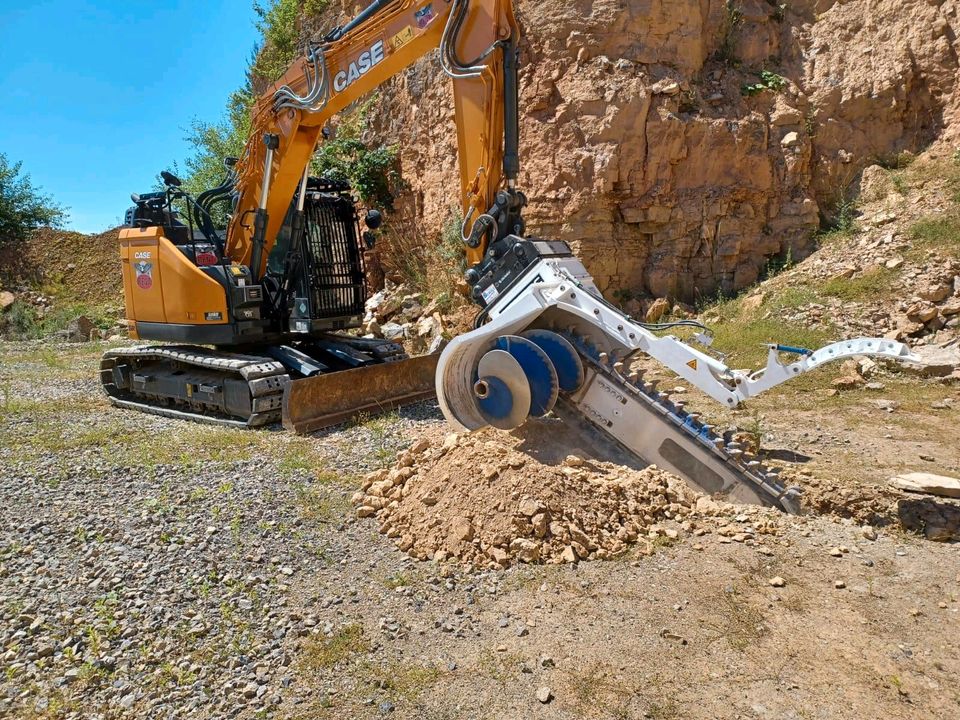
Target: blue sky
96	95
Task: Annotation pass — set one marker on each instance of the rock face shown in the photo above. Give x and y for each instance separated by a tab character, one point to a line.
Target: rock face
644	149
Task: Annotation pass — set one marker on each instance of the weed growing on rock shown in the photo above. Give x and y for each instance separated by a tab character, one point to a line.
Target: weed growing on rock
768	81
732	20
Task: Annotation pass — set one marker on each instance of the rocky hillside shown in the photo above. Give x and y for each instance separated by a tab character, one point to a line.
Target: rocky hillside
54	278
681	145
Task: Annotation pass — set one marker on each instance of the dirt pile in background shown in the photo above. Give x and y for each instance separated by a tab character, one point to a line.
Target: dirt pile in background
74	266
493	499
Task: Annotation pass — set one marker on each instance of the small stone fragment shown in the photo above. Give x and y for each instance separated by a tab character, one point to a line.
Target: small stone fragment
777	581
544	695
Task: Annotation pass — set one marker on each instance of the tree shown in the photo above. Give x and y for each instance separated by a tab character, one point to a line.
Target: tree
22	206
373	172
212	143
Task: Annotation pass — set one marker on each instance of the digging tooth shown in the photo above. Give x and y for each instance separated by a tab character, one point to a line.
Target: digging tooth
734	446
618	366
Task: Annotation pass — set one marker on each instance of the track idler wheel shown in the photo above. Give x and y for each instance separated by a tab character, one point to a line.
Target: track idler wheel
522	377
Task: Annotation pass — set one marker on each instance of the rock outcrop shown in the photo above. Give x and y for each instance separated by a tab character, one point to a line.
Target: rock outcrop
679	146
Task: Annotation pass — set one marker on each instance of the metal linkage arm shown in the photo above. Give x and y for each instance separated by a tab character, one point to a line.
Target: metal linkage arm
777	372
710	375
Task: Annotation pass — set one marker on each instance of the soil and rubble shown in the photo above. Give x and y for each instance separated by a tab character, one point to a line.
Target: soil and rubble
481	499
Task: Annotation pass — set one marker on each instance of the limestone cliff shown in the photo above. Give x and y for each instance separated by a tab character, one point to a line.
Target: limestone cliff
643	149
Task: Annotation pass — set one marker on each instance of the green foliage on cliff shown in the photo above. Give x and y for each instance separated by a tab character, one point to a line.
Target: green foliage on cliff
279	25
372	171
22	206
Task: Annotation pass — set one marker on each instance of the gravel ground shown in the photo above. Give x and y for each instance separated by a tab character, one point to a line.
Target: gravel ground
151	568
146	563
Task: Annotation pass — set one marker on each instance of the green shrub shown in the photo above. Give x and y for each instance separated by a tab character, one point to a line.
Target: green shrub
22	321
22	206
372	171
277	23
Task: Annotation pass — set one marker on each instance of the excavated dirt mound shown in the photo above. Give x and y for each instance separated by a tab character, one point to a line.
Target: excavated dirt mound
80	267
492	498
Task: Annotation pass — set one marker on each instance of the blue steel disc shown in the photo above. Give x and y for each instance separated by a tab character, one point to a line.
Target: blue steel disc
502	392
539	370
565	359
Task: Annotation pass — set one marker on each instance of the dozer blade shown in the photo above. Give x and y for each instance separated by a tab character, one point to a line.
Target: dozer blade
325	400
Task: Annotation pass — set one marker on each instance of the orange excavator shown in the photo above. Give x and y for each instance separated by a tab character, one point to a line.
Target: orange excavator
275	290
257	314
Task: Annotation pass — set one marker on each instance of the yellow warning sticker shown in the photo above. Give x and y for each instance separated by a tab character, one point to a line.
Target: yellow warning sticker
692	364
402	38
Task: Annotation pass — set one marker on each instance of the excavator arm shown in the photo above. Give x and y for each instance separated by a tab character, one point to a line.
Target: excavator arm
477	40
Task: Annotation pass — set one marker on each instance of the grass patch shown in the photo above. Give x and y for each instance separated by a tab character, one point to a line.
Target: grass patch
500	667
596	689
872	284
402	681
319	505
323	653
743	333
939	233
22	321
300	456
745	340
741	624
67	426
397	580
